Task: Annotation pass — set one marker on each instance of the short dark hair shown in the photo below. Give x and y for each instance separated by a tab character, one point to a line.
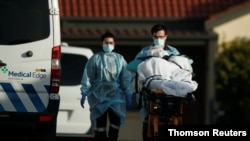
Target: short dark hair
158	27
106	35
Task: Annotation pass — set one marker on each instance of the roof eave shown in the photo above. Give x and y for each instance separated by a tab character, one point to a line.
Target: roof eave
223	17
198	40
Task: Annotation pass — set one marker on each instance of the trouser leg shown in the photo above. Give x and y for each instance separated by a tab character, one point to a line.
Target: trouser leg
101	125
100	136
113	132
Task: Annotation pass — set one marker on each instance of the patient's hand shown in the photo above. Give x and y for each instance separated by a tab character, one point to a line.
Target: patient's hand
157	47
157	52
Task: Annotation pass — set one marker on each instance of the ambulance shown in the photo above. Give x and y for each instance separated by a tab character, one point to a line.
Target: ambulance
30	68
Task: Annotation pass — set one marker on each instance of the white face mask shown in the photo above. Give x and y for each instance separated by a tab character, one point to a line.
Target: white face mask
159	42
108	48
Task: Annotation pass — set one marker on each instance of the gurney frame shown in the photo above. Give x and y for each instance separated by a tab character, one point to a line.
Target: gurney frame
163	110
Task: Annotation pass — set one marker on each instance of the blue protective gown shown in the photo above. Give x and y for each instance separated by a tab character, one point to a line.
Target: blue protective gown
106	81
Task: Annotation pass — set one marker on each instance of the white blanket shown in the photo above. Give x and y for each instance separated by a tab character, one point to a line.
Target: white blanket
158	73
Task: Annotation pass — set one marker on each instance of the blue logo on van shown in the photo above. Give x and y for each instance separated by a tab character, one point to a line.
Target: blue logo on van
22	74
38	73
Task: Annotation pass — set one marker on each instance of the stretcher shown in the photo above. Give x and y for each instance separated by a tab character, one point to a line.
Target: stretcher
163	110
165	86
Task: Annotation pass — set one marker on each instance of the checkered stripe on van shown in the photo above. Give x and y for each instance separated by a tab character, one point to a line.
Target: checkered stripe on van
28	100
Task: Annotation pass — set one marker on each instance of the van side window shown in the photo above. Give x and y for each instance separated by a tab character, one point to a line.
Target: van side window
32	18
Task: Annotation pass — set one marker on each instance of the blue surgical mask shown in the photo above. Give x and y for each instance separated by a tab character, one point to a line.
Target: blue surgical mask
159	42
108	48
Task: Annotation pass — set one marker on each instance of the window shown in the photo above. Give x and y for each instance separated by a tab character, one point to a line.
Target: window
23	21
72	66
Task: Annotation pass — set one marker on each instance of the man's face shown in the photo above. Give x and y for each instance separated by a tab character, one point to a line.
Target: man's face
160	35
108	40
159	38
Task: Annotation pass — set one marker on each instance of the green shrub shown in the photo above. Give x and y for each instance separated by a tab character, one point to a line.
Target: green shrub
232	73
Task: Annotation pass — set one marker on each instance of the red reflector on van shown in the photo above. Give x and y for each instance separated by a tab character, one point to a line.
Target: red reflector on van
56	52
44	118
55	69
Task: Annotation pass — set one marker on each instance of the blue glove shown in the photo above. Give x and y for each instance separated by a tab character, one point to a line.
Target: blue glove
129	100
83	99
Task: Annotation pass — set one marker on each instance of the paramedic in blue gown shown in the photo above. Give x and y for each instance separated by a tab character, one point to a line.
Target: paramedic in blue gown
106	84
159	48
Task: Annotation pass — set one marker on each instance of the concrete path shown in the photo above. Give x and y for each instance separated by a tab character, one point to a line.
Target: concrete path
132	130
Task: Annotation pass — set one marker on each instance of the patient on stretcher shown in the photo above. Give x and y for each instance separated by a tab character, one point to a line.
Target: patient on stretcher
173	76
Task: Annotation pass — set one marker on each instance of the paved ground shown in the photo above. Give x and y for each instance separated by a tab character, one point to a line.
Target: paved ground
132	130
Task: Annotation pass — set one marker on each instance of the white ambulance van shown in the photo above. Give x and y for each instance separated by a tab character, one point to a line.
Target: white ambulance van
73	120
29	68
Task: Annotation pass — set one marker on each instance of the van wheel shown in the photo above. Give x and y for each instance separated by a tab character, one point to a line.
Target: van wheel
47	133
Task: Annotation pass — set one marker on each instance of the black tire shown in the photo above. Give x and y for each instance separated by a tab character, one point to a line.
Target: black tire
46	133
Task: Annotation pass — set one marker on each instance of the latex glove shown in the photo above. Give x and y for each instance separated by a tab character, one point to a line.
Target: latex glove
129	100
83	99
